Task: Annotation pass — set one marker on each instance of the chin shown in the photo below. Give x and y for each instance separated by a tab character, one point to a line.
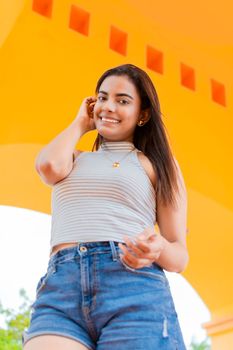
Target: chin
108	136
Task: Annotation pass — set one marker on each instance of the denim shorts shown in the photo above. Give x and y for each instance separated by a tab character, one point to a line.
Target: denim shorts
90	295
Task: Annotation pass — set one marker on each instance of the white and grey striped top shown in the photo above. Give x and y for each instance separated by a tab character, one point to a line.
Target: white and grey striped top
97	202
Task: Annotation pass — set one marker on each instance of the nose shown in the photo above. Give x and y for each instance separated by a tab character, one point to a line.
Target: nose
109	105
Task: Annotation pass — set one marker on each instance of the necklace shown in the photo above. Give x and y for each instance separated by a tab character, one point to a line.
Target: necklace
115	164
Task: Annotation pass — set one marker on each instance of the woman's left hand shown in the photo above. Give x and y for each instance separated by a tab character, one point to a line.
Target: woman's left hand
146	249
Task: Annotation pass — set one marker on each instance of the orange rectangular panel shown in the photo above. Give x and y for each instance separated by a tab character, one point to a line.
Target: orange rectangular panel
79	20
187	76
118	40
218	92
154	59
43	7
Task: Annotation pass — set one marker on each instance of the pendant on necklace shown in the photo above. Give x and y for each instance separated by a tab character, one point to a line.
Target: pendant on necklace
116	165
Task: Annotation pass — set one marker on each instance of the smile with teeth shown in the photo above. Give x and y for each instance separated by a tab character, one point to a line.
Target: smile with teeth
109	120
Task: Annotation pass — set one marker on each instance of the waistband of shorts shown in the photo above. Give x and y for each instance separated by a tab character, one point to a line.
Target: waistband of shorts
83	248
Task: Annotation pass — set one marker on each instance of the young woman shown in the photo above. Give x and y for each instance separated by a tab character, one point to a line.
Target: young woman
105	286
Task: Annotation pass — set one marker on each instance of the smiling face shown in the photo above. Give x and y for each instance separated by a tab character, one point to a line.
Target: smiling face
117	110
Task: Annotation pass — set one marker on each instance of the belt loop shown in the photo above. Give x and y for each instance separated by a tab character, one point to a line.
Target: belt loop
114	252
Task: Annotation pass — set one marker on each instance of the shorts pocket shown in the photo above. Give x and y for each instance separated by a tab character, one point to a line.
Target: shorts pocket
43	280
152	271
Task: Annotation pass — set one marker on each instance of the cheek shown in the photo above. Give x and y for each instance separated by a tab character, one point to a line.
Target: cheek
132	111
96	108
131	115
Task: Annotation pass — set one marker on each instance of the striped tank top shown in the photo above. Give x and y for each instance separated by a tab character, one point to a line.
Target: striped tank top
99	202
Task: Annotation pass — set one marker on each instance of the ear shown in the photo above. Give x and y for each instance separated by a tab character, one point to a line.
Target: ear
145	115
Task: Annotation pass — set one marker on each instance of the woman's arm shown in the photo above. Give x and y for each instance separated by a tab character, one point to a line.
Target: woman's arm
168	249
173	228
55	160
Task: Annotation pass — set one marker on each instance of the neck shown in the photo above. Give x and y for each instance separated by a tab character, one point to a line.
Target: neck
127	140
116	146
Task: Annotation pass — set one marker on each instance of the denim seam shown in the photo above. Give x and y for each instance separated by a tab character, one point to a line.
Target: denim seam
89	323
95	286
145	273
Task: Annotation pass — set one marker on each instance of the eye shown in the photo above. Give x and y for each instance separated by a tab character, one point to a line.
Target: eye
124	102
101	98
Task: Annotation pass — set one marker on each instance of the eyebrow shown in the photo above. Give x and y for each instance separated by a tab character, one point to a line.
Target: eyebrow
120	94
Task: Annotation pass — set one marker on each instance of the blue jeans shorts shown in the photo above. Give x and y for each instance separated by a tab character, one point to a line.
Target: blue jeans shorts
90	295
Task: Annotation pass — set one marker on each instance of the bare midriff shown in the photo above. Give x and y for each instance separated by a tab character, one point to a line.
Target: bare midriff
58	247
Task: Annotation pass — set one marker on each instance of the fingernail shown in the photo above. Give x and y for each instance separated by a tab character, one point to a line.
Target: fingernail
133	241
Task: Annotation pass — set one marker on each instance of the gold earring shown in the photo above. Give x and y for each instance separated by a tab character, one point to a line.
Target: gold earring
141	122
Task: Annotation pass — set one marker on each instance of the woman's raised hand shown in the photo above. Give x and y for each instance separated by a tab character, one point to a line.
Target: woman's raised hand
85	114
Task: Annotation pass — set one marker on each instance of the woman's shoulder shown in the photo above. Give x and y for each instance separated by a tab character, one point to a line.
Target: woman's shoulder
148	167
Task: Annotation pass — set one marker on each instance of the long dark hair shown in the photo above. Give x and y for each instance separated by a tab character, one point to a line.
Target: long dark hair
150	138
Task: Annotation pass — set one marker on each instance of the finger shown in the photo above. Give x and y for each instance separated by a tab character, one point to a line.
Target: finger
90	99
92	105
128	255
153	246
128	261
134	262
153	236
142	245
134	247
125	249
140	249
